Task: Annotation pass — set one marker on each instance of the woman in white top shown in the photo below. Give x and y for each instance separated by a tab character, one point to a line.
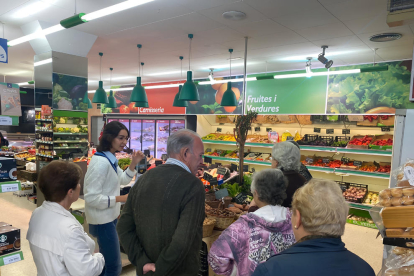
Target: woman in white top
102	193
57	240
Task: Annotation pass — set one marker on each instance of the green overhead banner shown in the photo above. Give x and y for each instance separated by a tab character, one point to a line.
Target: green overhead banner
287	96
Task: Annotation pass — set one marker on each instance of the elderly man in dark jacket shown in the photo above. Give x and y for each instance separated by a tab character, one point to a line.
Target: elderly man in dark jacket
161	225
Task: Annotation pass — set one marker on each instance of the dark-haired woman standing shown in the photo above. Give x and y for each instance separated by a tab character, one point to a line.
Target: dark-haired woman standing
102	193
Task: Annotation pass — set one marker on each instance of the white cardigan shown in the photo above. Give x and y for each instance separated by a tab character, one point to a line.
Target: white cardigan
59	244
101	186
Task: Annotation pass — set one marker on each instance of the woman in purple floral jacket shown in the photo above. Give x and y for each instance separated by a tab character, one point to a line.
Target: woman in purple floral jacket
257	236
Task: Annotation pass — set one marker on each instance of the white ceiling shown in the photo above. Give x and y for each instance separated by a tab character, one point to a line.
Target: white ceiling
277	30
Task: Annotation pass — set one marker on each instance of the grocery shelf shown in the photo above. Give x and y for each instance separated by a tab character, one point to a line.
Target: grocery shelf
58	148
308	148
68	141
44	131
359	206
44	142
10	186
11	258
44	155
44	120
310	168
64	133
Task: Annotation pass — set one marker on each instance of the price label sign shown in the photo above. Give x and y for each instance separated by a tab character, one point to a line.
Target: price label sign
326	160
218	129
245	168
221	193
257	129
317	130
9	188
268	129
309	160
330	131
385	129
221	171
358	163
240	198
208	160
346	131
233	167
11	259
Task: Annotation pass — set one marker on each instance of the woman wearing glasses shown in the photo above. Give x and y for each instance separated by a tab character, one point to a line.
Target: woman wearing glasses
102	193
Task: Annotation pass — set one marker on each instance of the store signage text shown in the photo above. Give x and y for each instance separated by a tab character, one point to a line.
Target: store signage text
143	110
261	99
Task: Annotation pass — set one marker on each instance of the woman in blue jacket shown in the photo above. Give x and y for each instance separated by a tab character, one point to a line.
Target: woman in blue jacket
319	214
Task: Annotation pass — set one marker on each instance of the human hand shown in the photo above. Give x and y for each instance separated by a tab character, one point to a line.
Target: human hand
122	198
149	267
136	157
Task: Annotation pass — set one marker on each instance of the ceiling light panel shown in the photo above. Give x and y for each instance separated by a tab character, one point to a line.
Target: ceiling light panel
32	8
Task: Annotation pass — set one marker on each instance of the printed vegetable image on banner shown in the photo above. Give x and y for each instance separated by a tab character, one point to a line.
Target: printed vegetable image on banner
287	96
210	98
123	105
370	93
68	92
10	99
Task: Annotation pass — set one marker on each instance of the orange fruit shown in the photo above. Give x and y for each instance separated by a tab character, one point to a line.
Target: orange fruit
230	108
217	85
222	89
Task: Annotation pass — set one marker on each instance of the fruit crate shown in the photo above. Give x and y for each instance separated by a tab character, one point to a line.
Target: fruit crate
342	138
381	137
360	200
307	139
343	185
328	140
349	146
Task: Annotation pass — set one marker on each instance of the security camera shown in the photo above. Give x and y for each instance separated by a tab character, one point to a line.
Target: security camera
210	75
323	59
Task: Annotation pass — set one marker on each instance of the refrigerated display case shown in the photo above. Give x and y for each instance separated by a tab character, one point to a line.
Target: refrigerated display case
163	132
125	122
136	131
176	125
148	136
111	120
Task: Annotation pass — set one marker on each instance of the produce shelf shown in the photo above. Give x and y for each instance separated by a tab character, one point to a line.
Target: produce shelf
11	258
308	148
63	133
44	155
359	206
10	186
362	223
68	141
44	120
44	142
310	168
44	131
59	148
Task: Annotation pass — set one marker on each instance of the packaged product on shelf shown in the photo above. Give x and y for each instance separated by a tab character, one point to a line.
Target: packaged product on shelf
8	171
273	137
297	136
400	261
405	174
285	135
397	196
10	240
356	192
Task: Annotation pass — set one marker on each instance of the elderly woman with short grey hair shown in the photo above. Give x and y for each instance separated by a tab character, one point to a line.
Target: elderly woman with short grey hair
319	213
261	234
286	157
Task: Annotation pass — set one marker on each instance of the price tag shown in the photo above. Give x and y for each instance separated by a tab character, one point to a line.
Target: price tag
208	159
345	159
289	138
221	171
309	160
245	168
240	198
222	124
317	130
346	131
218	164
213	182
221	193
326	160
9	188
218	129
358	163
11	259
233	167
268	129
385	129
330	131
257	129
409	172
208	150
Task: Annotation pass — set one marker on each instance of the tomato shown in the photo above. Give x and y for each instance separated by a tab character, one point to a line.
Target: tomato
132	108
124	109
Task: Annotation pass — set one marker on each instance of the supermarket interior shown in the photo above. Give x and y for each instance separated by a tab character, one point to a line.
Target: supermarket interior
333	77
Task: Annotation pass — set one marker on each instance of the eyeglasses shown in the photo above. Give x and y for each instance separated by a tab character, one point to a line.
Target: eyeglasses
123	138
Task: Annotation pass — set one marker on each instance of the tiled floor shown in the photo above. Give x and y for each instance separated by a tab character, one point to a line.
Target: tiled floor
17	211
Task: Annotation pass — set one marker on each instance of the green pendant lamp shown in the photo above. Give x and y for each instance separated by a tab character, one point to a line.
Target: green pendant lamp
138	93
142	100
189	91
111	98
141	104
177	102
229	98
86	100
100	94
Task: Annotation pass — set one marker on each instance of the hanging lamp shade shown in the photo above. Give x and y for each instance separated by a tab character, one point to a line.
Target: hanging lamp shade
100	95
189	92
138	93
111	100
86	100
141	104
177	101
229	98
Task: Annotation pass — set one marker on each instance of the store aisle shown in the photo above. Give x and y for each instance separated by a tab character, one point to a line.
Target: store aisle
17	211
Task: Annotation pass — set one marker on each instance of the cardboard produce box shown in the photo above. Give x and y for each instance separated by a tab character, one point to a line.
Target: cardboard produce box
386	122
381	137
9	239
350	146
8	171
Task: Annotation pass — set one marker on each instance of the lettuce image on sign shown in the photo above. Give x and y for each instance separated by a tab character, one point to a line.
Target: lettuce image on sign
3	51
